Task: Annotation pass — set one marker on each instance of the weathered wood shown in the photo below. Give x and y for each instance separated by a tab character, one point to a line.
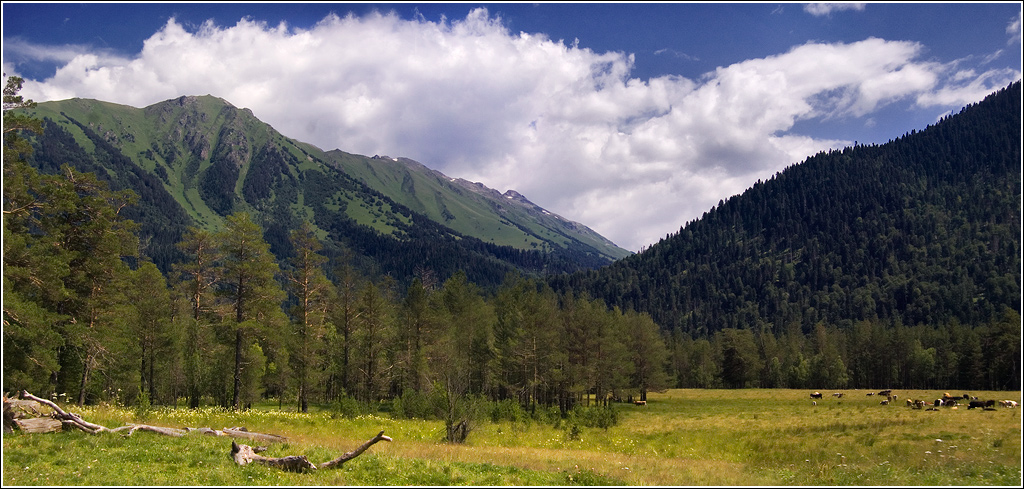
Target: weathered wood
19	409
132	428
66	417
24	408
244	455
38	425
354	453
238	432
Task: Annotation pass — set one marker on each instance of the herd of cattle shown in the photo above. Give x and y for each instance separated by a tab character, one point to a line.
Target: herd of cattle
946	400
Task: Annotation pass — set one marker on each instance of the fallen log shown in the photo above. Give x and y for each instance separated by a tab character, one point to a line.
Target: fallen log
65	417
244	455
38	425
19	413
355	453
71	419
132	428
244	433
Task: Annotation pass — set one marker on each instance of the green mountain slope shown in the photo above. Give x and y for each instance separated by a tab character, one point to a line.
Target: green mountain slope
194	160
924	229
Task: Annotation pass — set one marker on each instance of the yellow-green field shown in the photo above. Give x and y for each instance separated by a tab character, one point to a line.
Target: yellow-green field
682	437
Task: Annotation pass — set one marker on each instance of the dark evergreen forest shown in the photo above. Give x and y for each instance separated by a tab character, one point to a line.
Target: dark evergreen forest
902	260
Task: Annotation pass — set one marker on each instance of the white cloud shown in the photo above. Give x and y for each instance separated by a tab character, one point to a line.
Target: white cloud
1013	30
567	127
819	9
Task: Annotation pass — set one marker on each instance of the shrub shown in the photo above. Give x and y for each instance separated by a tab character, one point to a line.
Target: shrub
347	407
593	417
412	404
508	410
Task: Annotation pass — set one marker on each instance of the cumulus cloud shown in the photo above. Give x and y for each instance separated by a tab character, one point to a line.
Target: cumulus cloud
819	9
567	127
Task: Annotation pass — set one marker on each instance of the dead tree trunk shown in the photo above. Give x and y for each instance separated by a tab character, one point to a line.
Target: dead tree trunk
244	455
354	453
67	418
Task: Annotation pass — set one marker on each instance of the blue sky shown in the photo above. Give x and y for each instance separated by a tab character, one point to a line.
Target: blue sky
630	118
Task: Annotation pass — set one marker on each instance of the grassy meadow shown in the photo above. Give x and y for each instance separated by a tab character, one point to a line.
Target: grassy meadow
682	437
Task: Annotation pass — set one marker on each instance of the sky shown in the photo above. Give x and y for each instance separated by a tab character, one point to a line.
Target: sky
631	118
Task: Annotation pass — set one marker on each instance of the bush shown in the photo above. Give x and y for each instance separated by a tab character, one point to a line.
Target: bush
347	407
508	410
412	404
593	417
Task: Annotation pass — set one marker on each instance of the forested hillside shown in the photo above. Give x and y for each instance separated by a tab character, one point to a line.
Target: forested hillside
196	160
923	231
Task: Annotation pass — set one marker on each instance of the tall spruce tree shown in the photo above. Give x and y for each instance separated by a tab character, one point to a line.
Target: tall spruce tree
249	283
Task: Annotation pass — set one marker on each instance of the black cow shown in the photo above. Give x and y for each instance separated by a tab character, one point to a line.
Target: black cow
885	392
815	395
976	404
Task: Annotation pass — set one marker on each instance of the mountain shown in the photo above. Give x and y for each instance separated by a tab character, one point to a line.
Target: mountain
924	229
195	160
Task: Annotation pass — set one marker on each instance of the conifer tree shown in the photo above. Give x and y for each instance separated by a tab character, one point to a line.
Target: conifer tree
311	291
250	286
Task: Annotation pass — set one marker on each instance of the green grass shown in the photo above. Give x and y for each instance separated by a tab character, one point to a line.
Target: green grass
682	437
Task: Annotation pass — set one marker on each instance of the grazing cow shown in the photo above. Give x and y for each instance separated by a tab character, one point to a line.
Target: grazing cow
1008	403
949	402
910	403
990	403
870	393
885	402
967	397
939	402
814	403
918	404
837	394
886	392
815	395
976	404
640	403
